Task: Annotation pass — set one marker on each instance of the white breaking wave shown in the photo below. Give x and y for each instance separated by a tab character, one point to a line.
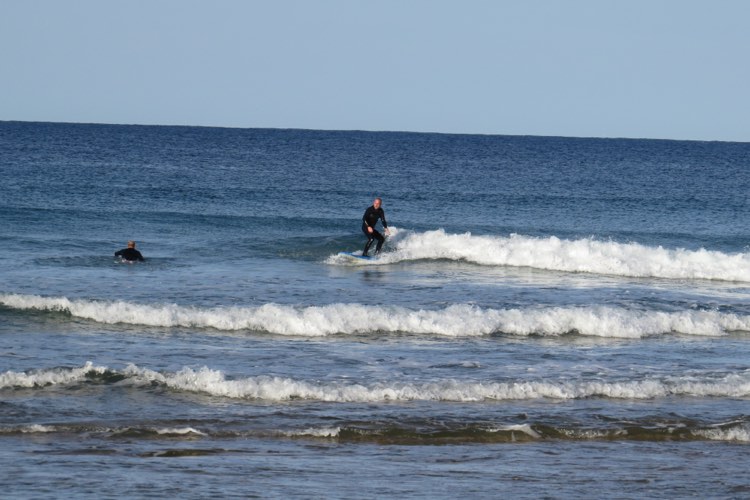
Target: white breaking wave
37	428
325	432
586	255
268	388
215	383
459	320
179	431
523	428
57	376
29	429
739	434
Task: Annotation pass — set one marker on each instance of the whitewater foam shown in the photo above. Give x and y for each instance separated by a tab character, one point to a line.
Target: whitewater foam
214	382
269	388
587	255
55	376
522	428
324	432
739	434
37	428
459	320
179	431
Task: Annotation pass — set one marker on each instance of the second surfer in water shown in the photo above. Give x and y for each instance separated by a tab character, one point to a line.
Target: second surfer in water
130	254
372	214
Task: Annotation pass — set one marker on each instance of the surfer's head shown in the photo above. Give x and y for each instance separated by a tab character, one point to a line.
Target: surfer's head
377	203
131	244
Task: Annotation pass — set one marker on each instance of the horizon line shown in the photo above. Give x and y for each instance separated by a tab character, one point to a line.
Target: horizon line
371	131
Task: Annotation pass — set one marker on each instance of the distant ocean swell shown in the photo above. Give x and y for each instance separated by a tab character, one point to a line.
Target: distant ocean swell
554	254
271	388
459	320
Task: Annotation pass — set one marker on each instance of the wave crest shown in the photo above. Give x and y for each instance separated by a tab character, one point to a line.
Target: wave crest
458	320
56	376
271	388
586	255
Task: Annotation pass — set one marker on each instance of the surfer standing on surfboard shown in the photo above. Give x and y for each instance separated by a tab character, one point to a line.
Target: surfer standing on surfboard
372	214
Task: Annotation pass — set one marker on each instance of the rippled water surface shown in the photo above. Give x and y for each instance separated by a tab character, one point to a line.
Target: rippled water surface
550	317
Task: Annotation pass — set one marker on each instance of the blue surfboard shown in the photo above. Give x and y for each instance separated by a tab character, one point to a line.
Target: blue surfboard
356	256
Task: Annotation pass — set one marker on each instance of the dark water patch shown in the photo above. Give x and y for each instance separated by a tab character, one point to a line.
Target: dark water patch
93	451
178	453
407	432
537	433
145	433
403	436
105	377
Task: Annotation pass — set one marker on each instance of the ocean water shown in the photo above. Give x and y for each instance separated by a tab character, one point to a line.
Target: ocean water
551	317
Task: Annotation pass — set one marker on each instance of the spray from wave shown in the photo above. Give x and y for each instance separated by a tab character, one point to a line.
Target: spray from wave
586	255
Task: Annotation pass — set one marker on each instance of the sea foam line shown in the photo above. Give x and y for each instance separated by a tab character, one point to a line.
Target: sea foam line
586	255
271	388
739	434
459	320
214	382
55	376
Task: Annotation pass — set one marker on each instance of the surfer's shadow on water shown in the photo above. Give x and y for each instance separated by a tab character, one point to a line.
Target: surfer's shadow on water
367	275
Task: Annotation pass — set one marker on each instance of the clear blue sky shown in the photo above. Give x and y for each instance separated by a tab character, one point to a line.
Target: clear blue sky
677	69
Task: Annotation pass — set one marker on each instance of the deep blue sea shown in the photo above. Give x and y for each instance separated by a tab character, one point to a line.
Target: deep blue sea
550	317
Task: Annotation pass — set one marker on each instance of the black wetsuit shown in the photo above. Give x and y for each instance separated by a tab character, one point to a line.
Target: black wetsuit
370	218
130	254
